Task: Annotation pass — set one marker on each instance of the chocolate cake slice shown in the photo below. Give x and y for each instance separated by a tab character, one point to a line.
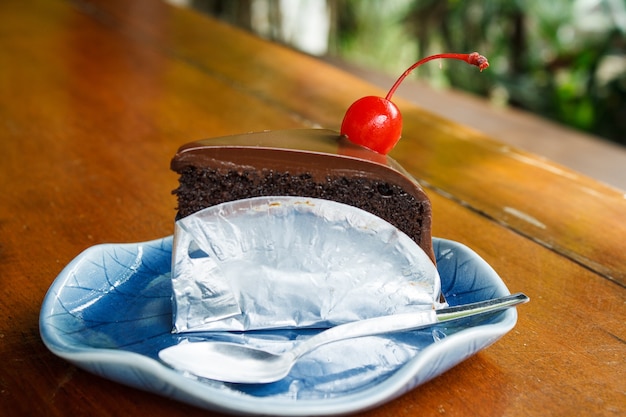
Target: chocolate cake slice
306	163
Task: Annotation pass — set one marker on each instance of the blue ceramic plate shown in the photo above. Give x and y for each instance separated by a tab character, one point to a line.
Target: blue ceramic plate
109	312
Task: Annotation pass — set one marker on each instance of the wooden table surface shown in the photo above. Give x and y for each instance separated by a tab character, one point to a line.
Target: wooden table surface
95	98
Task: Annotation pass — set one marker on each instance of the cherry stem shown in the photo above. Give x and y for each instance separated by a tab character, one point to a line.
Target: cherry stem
473	59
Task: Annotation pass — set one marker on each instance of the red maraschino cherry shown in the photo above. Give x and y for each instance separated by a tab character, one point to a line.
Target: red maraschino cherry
376	122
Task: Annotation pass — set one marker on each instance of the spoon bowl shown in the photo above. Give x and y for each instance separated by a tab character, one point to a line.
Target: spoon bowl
231	362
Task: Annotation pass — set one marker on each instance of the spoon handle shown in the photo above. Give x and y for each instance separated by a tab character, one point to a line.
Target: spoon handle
405	322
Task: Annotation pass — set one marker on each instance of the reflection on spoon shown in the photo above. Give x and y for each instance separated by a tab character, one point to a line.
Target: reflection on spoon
231	362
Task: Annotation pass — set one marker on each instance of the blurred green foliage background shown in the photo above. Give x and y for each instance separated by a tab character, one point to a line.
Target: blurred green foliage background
562	59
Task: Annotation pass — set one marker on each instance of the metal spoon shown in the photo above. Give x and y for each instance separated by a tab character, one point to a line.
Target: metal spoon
231	362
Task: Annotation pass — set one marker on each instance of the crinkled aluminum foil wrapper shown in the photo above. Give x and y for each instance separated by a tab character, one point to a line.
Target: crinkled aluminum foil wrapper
292	262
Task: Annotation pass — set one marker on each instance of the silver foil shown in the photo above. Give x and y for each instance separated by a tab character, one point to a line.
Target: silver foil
293	262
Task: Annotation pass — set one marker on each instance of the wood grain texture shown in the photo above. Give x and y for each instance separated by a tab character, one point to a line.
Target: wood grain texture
95	98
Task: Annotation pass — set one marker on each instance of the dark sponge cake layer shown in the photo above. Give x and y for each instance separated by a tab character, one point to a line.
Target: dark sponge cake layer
204	187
